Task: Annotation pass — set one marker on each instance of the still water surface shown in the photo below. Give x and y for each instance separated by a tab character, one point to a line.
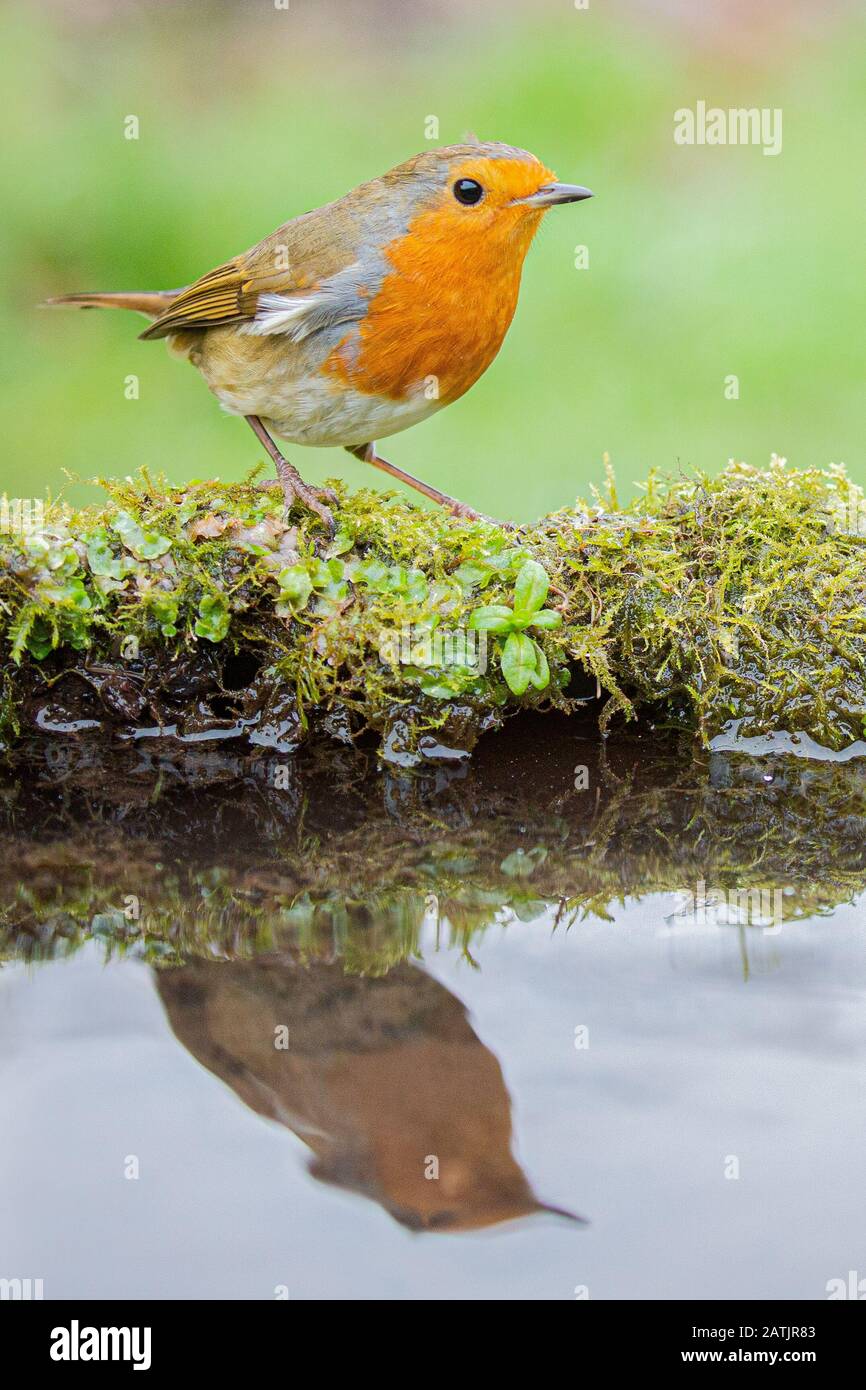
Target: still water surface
692	1087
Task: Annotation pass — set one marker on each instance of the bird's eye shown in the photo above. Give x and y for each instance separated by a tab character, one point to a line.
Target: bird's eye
468	192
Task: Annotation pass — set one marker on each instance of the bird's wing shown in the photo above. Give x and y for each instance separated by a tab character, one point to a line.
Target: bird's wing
218	297
297	281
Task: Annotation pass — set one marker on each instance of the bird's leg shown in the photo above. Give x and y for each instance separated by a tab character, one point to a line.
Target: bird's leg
293	486
367	454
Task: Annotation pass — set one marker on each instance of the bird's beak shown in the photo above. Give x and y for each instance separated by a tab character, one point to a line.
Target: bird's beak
553	193
561	1211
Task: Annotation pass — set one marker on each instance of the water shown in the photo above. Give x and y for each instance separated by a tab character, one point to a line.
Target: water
239	1027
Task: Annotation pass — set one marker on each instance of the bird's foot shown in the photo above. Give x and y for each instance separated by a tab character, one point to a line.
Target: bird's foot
313	499
295	490
298	493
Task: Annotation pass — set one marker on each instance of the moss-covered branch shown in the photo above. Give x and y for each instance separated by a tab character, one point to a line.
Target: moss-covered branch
203	611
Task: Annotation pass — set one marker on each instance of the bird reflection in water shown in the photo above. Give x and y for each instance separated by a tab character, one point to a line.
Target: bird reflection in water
383	1079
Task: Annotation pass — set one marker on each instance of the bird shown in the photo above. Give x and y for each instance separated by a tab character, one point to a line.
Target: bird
383	1079
363	317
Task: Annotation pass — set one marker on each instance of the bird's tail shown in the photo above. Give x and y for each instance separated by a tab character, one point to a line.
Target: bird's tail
149	302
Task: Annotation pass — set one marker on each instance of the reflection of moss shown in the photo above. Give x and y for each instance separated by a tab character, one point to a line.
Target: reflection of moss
740	597
348	868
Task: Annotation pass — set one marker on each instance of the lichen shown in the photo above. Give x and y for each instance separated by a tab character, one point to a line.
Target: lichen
204	609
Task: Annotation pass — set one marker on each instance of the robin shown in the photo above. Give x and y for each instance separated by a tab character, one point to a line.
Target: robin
357	320
385	1075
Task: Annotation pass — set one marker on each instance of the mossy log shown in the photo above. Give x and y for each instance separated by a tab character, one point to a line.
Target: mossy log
205	612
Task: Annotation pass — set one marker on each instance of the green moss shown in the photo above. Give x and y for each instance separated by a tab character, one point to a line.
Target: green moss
705	601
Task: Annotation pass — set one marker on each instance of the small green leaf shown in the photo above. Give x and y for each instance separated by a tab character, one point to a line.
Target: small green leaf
442	687
372	573
341	543
213	619
469	574
103	561
40	639
164	608
524	664
318	571
416	585
145	545
548	618
518	662
70	594
541	676
495	617
295	585
530	588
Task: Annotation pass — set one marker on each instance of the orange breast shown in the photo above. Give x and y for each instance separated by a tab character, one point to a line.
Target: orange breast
443	310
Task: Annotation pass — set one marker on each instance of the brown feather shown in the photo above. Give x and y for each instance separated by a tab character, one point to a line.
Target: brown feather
299	255
214	299
150	302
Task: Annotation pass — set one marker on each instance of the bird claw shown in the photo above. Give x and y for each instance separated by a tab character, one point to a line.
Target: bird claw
311	498
314	499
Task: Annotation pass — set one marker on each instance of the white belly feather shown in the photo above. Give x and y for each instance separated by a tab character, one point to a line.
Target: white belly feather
310	411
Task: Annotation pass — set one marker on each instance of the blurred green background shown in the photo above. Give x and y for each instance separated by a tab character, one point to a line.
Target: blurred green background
703	261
